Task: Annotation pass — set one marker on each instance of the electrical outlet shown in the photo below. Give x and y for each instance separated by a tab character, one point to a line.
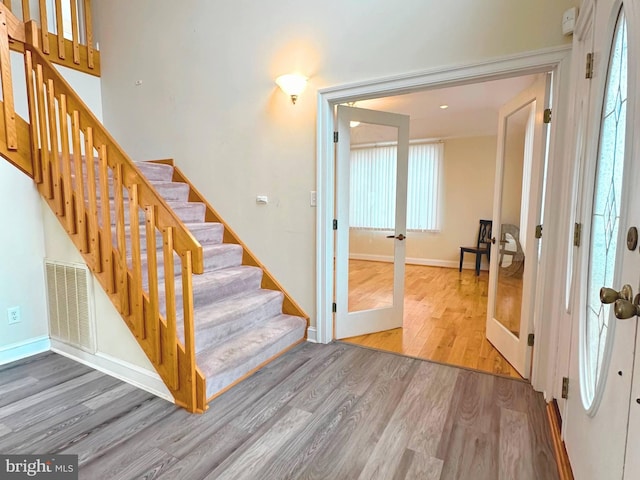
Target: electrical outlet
13	314
313	198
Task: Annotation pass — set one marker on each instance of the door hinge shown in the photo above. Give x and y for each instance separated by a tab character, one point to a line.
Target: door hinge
565	387
334	307
530	339
335	223
577	234
335	137
547	115
538	231
589	66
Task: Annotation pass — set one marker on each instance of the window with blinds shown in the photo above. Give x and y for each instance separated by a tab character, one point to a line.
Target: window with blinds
373	187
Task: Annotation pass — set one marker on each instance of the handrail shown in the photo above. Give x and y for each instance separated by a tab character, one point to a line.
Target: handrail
92	186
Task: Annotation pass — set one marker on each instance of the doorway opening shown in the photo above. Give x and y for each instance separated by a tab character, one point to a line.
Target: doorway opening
445	311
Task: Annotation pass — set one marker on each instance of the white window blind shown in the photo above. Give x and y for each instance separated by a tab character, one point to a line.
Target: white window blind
373	187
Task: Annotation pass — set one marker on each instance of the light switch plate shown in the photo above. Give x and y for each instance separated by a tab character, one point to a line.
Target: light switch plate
262	199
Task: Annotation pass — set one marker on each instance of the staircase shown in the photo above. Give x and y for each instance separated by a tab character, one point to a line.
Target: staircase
204	310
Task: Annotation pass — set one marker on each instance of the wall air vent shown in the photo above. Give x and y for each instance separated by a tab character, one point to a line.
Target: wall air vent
70	308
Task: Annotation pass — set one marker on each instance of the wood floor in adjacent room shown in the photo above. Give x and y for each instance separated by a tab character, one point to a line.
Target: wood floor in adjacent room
318	412
445	312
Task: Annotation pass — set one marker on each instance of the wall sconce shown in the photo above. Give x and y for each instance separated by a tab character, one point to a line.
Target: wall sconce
292	84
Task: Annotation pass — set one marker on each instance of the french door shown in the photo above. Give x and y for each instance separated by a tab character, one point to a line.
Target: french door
516	213
384	309
602	416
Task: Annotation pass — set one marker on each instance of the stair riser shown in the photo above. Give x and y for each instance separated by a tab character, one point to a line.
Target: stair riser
211	262
209	235
216	334
206	294
191	213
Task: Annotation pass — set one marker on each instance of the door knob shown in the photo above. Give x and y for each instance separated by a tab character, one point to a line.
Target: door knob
624	309
399	237
609	295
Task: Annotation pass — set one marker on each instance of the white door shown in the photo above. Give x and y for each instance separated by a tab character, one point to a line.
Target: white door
599	406
380	306
516	213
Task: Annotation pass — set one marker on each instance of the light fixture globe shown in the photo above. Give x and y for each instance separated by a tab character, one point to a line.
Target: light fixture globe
292	84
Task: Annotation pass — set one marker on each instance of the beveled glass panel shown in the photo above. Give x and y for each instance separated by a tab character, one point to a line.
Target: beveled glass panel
605	216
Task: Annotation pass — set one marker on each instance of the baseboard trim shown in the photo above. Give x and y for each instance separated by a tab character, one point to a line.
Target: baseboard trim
429	262
125	371
312	335
19	350
562	458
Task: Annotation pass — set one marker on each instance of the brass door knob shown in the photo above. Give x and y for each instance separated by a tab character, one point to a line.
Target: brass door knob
609	295
624	309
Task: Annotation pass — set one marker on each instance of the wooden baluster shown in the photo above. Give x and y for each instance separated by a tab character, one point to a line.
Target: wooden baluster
81	218
122	282
74	32
44	138
60	29
55	156
66	166
105	207
152	328
136	262
88	25
189	332
7	86
26	11
33	117
44	26
94	246
171	346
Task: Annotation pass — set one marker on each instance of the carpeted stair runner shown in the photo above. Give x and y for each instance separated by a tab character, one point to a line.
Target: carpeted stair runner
238	325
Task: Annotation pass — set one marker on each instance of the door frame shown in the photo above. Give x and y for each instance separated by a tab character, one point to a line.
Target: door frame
556	60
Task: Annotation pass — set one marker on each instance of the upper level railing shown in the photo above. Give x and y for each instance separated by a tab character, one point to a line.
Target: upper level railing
65	31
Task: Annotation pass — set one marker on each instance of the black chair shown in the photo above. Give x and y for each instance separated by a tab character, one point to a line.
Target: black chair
483	245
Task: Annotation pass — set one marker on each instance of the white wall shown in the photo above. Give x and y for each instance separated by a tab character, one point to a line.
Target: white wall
467	196
208	98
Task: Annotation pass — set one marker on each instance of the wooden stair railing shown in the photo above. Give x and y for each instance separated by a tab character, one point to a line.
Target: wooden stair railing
80	170
70	43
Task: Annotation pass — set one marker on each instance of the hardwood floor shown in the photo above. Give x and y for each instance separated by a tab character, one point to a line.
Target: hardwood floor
445	313
318	412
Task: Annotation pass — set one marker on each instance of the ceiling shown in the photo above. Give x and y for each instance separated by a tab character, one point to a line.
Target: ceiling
473	110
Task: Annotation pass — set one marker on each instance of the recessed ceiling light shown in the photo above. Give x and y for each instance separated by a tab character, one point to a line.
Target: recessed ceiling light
444	106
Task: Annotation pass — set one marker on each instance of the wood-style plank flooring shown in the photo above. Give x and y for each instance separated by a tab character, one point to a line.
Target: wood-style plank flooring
318	412
445	313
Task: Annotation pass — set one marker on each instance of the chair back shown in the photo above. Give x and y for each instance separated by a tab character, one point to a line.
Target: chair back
484	234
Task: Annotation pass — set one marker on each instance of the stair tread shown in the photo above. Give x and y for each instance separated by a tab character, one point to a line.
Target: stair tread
226	363
229	309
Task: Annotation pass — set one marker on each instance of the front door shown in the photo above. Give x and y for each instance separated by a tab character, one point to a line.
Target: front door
599	408
383	189
516	213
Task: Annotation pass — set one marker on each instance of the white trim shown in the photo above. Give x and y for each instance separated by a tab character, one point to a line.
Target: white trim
507	66
428	262
312	335
125	371
26	348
